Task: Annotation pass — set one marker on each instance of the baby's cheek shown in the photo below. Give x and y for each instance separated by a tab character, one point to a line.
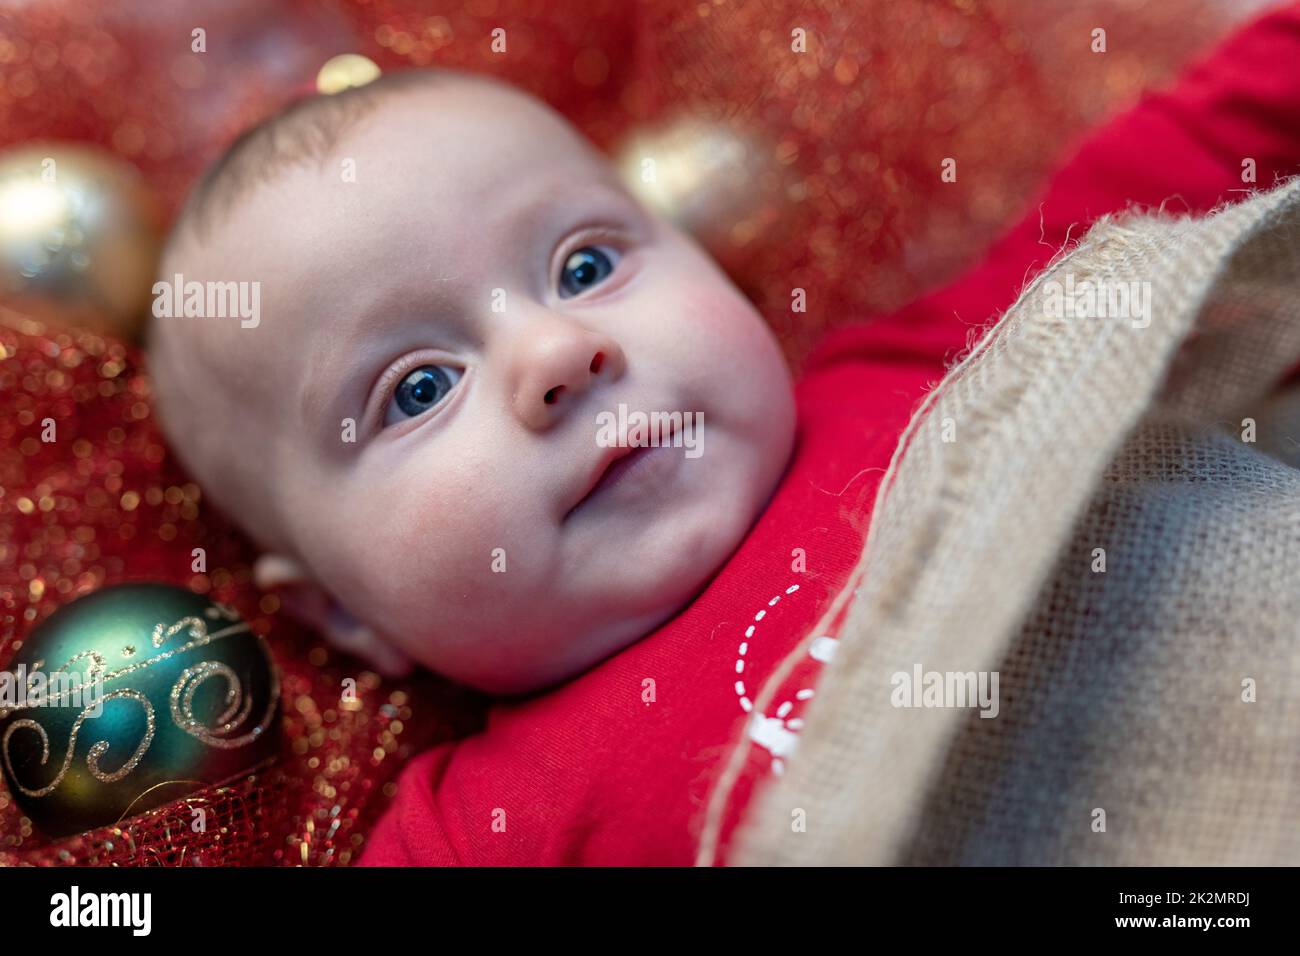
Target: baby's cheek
737	365
711	320
428	538
455	551
729	347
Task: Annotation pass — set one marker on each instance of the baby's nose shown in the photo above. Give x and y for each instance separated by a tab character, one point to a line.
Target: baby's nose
558	363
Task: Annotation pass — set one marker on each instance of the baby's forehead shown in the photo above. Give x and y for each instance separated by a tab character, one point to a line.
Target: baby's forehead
427	161
479	137
428	169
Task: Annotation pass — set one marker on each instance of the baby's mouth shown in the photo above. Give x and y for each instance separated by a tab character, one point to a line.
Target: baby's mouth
624	466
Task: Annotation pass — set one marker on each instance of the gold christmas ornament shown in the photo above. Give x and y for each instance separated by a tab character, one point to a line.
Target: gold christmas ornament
725	186
345	71
79	237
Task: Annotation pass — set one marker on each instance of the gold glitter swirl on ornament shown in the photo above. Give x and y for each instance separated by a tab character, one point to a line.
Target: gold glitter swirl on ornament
97	666
182	706
196	626
198	631
101	747
96	751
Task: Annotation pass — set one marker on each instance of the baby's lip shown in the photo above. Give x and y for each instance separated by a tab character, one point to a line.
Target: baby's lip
607	459
598	478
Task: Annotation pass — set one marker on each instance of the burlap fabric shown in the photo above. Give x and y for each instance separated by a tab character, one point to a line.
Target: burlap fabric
1126	690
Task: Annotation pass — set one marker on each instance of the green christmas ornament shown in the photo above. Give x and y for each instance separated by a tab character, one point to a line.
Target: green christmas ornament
129	698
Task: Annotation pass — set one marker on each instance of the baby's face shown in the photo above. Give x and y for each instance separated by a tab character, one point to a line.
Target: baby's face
481	292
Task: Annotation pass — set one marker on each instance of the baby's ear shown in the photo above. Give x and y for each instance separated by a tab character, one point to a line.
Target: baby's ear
312	605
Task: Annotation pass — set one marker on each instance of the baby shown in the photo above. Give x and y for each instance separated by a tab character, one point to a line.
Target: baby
455	294
453	287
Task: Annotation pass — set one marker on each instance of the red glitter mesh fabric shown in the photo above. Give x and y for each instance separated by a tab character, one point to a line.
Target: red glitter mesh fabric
849	205
105	504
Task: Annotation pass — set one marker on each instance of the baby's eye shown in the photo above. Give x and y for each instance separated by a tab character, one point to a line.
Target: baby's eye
420	391
586	267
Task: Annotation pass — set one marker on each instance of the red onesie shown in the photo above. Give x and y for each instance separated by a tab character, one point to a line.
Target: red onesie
611	769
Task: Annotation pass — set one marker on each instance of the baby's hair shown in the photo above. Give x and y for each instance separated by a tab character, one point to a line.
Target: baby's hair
301	132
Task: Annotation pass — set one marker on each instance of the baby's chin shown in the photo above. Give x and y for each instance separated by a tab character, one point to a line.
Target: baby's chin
624	602
658	574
